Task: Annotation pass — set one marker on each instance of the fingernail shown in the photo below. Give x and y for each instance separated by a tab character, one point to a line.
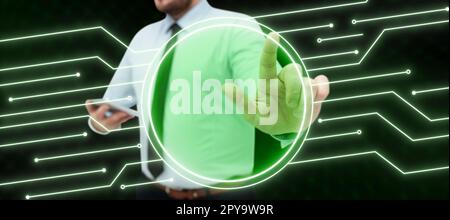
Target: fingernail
275	36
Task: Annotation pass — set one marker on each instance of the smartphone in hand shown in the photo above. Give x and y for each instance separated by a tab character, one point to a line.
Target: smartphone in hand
115	108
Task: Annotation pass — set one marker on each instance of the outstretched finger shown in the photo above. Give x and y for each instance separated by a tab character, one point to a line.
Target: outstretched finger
118	118
269	57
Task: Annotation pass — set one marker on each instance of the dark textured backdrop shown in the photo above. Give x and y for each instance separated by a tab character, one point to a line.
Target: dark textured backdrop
424	50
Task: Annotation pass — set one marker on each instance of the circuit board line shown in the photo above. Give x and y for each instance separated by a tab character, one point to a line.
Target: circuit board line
418	92
96	187
387	93
40	159
326	26
13	99
379	155
323	120
407	72
374	43
356	21
103	170
77	75
321	40
311	9
353	52
358	132
64	107
84	134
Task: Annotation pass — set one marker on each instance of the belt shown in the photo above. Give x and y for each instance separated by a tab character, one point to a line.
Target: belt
188	194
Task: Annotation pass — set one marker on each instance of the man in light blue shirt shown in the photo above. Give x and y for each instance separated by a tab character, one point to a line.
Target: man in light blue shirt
128	79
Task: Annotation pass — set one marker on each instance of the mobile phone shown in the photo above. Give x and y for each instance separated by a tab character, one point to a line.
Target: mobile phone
114	108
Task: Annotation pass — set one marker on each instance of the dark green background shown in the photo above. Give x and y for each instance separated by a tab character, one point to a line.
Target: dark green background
424	50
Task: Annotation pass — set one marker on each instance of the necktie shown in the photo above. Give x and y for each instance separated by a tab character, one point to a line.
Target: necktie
160	93
162	84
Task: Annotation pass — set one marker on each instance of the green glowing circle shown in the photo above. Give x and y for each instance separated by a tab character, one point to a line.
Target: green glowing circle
240	183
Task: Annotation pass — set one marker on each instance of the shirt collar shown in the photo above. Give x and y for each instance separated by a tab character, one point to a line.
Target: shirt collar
197	13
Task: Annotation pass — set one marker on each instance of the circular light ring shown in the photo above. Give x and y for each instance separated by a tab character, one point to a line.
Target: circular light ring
280	164
161	144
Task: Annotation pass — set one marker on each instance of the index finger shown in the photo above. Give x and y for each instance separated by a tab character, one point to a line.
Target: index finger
269	57
118	117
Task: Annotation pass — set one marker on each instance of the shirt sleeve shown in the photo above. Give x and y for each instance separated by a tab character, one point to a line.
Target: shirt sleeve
285	139
123	75
244	54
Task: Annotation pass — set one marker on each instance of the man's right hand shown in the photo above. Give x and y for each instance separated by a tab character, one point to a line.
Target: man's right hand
104	124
